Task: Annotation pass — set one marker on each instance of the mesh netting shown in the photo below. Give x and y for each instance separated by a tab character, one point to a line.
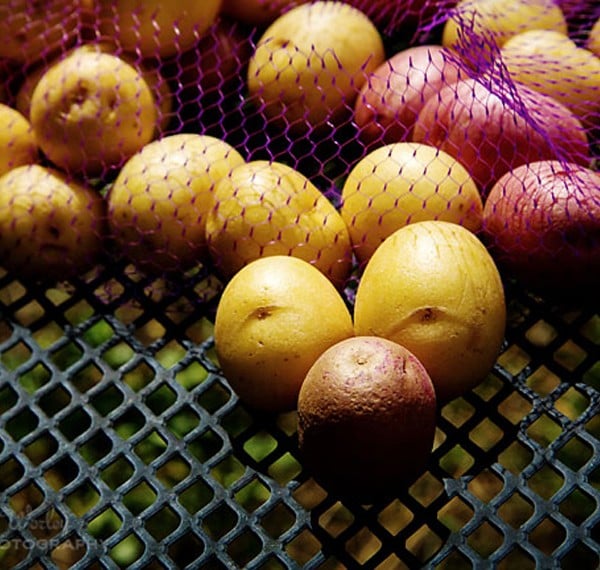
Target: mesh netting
151	150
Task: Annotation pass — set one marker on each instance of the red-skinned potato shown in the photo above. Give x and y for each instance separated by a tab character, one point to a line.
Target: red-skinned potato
542	222
366	418
491	133
394	94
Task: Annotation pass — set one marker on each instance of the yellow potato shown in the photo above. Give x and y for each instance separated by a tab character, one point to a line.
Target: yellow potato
160	87
311	62
433	288
477	25
92	111
267	208
553	64
17	141
51	227
34	30
154	28
403	183
275	317
159	203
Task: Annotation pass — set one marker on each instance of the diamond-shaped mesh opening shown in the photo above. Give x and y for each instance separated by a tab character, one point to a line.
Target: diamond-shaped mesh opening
196	496
139	498
122	443
580	554
131	545
578	506
485	539
423	544
547	536
188	548
118	472
61	473
83	498
516	510
244	548
517	558
219	522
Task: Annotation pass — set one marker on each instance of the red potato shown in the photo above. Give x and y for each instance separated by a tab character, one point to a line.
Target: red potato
491	132
389	103
542	222
366	418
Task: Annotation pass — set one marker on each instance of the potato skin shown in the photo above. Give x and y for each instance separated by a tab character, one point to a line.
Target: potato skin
394	94
52	227
276	316
542	223
307	69
433	287
366	418
267	208
492	133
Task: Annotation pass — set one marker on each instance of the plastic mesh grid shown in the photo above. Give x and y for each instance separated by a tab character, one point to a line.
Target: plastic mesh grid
121	445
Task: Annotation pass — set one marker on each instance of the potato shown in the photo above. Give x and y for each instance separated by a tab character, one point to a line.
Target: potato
258	12
307	69
491	130
17	141
275	317
551	63
390	100
159	203
542	221
159	86
477	28
593	40
268	208
154	28
32	31
92	111
403	183
51	227
366	418
433	288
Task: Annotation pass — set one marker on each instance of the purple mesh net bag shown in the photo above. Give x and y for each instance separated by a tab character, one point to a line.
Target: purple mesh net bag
150	151
493	88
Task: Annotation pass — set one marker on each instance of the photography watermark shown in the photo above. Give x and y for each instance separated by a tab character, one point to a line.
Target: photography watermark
45	530
44	544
